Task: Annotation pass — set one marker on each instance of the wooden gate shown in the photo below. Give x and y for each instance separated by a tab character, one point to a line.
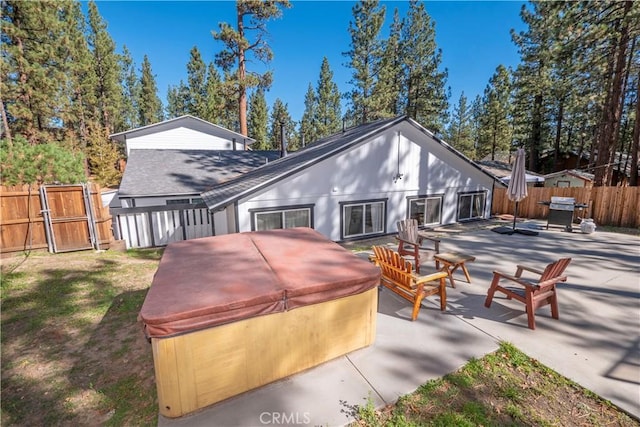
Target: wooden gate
68	217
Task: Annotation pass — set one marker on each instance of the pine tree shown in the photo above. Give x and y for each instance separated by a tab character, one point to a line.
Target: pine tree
105	61
532	82
460	130
308	132
31	34
258	119
22	162
389	84
426	96
364	58
196	80
177	100
280	115
495	127
150	106
229	113
103	157
238	47
77	107
130	90
213	98
328	111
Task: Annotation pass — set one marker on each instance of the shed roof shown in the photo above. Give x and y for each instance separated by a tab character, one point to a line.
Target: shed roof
180	172
255	180
187	121
585	176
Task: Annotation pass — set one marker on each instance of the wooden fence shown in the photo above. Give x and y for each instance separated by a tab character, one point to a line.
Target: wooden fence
60	218
612	206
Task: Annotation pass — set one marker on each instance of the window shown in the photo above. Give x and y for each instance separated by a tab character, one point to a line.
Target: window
363	218
193	201
178	202
563	184
281	218
471	205
426	210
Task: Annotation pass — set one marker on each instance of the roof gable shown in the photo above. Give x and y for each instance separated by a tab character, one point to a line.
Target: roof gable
186	121
242	186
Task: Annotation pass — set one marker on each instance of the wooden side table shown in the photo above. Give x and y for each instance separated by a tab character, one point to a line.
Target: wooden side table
452	261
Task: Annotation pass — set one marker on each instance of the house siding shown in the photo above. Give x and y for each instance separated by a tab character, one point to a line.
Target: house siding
181	139
369	171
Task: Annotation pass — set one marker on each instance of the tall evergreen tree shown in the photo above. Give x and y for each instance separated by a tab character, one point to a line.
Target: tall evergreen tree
426	95
213	98
280	115
229	112
78	103
130	90
460	130
364	58
251	15
177	100
31	34
258	120
196	79
328	110
308	132
495	127
388	86
532	81
150	106
107	70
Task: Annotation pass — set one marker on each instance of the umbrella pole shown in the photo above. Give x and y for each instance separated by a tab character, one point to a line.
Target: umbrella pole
515	212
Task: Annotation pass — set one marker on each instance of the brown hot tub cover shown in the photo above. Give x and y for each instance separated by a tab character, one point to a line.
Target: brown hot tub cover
207	282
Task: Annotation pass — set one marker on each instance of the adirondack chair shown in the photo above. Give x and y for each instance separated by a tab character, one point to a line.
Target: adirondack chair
410	241
532	293
398	277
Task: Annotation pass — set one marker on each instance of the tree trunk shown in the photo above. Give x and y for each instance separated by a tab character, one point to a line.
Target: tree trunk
242	89
556	151
635	141
5	124
536	133
612	111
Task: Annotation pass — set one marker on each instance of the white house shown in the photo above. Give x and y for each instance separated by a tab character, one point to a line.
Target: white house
182	133
357	184
168	165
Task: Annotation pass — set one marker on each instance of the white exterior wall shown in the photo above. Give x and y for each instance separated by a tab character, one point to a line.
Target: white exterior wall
183	139
367	172
574	181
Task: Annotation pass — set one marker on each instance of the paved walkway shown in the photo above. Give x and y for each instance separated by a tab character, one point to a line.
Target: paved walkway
596	342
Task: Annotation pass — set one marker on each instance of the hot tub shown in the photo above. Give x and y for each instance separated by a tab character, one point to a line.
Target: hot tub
227	314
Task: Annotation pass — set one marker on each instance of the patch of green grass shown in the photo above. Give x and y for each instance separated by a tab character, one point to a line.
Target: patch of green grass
73	352
504	388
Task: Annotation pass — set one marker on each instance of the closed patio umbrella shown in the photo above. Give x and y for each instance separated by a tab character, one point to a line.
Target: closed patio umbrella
517	189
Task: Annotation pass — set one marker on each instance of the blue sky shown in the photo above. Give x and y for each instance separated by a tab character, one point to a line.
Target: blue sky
474	37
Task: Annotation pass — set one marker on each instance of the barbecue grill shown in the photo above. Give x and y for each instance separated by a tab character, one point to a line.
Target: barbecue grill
561	211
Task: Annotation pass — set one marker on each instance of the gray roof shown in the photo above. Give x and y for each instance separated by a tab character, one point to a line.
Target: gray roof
259	178
232	191
185	172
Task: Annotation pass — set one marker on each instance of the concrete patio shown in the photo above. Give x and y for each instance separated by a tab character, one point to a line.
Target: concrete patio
596	341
